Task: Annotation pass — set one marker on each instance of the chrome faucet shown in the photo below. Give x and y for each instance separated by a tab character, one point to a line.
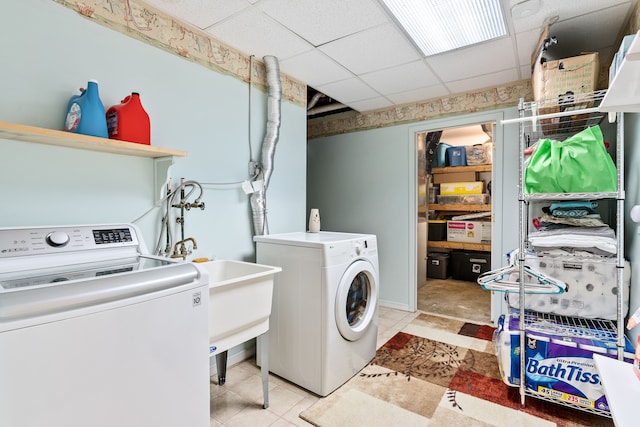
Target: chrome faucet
183	252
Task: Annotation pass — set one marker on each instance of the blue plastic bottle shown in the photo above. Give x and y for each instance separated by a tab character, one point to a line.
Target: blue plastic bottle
85	113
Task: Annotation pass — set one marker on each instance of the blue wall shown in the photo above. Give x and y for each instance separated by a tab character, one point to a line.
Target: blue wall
48	51
365	182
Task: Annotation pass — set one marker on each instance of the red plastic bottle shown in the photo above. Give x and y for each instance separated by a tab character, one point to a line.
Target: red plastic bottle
128	121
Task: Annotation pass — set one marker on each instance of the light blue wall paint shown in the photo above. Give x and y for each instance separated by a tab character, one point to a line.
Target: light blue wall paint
49	50
359	183
632	197
366	182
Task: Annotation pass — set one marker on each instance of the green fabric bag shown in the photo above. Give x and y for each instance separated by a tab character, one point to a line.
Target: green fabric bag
579	164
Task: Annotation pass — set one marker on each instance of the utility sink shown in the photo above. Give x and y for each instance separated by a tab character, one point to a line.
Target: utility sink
240	295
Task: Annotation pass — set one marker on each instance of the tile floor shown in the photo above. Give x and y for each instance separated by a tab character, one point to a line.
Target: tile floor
238	403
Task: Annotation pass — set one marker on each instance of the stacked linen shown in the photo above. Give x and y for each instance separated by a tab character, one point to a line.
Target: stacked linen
594	240
573	226
573	245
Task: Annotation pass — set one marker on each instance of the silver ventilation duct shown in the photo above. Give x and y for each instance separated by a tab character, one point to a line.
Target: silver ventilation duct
258	198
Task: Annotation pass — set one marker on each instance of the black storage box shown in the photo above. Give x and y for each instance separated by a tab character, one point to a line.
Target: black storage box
468	265
438	265
437	230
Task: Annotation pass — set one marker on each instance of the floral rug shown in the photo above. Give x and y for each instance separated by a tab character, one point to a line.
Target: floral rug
438	372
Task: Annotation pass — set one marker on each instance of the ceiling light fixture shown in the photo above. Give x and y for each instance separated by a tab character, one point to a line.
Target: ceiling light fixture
437	26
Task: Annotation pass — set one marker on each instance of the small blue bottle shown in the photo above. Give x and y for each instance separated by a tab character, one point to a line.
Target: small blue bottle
86	114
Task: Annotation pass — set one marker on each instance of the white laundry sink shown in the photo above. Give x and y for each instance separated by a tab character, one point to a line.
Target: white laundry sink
240	295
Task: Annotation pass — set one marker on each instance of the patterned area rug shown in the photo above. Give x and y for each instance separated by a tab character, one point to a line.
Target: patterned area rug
438	372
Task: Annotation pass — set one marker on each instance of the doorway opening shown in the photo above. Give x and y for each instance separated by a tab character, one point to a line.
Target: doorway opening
454	220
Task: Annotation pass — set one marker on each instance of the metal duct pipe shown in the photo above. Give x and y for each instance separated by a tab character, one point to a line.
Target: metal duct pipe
326	108
258	198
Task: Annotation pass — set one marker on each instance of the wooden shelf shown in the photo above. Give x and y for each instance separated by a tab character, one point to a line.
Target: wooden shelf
460	207
474	168
83	142
459	245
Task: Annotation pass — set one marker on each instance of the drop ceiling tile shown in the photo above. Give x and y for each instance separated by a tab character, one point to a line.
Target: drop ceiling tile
565	9
401	78
200	13
525	72
527	42
485	58
370	50
320	22
419	94
349	90
370	104
488	80
314	68
255	33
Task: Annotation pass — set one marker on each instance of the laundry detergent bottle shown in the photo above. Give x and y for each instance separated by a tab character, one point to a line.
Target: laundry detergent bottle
85	113
128	121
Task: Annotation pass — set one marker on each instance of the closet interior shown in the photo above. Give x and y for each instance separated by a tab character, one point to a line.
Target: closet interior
454	220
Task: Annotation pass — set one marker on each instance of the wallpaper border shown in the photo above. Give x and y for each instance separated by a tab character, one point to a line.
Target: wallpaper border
152	26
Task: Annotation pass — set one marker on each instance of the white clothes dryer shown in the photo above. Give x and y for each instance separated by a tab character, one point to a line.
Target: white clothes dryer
324	320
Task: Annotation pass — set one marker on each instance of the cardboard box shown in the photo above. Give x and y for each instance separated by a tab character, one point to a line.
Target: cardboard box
468	231
558	85
454	188
439	178
577	74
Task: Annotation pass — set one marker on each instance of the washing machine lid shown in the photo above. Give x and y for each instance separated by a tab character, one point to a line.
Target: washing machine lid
312	239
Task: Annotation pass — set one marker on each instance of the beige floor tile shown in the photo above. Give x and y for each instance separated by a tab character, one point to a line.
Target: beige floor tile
292	415
249	388
227	405
282	399
253	416
283	423
390	313
387	322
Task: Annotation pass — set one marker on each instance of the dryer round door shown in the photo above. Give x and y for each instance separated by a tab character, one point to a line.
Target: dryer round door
356	300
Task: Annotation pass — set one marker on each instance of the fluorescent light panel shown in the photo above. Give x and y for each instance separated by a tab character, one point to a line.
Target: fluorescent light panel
437	26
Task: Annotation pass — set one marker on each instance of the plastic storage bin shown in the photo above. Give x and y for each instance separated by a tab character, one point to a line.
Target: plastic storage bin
468	265
454	188
438	265
456	156
468	199
440	159
437	229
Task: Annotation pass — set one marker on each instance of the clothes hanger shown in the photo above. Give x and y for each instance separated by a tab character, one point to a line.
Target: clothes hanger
506	279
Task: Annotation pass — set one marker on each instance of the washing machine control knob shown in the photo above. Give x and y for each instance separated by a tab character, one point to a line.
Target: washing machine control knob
358	248
57	239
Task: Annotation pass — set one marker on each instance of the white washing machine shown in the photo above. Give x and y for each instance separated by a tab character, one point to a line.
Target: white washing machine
324	320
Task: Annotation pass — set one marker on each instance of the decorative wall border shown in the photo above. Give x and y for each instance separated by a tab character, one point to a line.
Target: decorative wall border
150	25
488	99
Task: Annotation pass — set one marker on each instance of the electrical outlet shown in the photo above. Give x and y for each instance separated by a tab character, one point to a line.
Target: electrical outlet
253	168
